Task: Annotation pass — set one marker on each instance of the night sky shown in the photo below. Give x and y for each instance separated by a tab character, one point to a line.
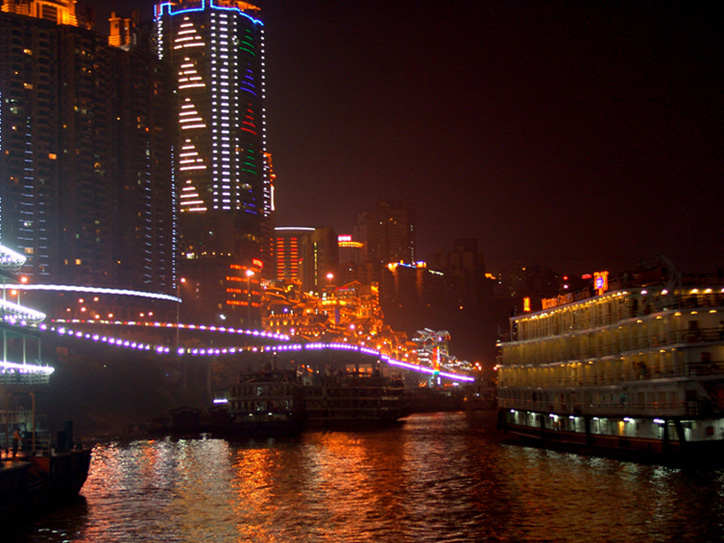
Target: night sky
581	136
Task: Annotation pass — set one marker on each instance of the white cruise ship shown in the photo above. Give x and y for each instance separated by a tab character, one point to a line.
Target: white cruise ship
633	364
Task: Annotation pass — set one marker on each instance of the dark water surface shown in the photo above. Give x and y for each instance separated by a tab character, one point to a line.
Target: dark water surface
436	478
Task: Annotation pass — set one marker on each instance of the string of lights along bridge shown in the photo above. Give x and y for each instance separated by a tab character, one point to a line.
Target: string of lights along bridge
428	363
281	343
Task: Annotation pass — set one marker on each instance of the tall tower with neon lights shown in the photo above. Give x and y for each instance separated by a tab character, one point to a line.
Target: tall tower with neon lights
221	173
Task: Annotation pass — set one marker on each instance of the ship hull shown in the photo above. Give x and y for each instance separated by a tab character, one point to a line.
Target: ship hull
670	445
37	484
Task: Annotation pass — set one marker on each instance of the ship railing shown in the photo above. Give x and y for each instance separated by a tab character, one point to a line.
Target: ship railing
550	351
16	378
623	409
697	369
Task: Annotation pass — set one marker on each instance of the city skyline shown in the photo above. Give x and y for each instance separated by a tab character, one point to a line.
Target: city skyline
580	137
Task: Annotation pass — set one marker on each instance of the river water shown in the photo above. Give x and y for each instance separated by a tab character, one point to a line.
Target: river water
443	477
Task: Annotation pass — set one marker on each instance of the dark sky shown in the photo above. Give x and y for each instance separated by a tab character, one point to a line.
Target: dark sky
578	135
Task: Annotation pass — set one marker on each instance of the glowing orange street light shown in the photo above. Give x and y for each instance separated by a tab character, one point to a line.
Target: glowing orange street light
249	275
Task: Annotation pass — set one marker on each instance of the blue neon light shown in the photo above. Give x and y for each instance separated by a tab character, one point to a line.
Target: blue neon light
168	8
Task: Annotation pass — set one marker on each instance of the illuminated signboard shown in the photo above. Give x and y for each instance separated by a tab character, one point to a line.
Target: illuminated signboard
600	282
526	304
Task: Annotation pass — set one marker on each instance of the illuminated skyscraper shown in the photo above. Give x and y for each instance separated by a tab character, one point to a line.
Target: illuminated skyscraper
215	48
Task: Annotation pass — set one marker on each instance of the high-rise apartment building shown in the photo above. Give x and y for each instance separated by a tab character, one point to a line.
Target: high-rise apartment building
61	12
308	255
288	251
351	259
222	173
388	233
319	263
85	169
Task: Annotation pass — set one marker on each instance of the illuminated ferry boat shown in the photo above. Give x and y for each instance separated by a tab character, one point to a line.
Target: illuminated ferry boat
352	398
267	402
634	365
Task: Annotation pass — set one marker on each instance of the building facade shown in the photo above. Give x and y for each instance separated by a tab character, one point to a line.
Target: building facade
222	172
85	189
288	251
388	233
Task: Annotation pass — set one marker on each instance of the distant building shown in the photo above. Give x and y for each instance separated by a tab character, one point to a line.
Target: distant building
222	171
288	246
85	167
466	286
351	260
319	266
532	281
388	233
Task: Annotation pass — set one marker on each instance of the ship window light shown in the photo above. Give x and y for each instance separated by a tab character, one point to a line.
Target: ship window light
659	421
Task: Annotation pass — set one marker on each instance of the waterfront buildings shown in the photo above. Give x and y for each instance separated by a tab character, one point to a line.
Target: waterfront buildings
85	184
221	168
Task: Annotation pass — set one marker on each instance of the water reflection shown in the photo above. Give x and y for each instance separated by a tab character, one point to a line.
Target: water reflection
439	477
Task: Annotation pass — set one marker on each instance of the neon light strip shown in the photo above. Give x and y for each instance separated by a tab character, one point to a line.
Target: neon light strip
93	290
25	368
429	370
168	8
304	228
365	350
162	349
8	256
201	327
15	311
